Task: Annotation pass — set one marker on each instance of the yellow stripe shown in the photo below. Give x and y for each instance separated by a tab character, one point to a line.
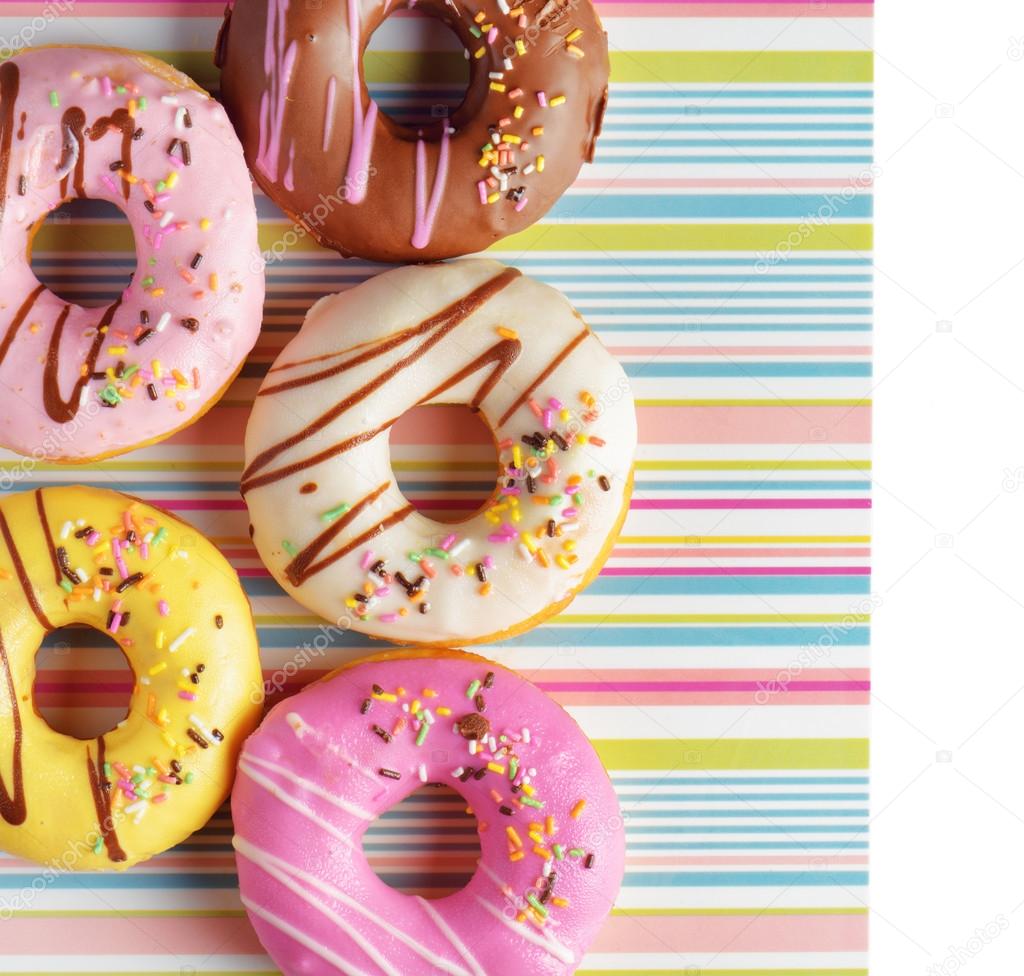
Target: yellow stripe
668	754
718	912
53	240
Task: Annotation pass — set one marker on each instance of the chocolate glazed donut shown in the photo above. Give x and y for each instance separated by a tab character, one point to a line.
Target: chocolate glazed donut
292	83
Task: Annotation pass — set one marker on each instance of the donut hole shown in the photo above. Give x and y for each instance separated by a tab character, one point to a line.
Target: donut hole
416	70
83	682
445	461
84	252
427	845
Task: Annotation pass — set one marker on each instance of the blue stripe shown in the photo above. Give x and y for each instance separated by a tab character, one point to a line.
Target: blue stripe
732	143
740	126
706	779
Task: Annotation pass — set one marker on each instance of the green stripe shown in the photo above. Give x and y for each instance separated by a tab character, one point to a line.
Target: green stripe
669	754
94	236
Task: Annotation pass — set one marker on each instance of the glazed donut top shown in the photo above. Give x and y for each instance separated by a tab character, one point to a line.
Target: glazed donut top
324	764
329	520
121	127
87	556
292	80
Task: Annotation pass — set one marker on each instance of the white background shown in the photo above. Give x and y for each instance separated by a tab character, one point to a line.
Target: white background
948	737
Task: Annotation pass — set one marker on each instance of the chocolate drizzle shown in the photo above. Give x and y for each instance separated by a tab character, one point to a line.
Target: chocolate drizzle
19	569
118	119
57	408
100	786
435	328
300	568
544	374
12	804
41	509
72	127
19	318
10	82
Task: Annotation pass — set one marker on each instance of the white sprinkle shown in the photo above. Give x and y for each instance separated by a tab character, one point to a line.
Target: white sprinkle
457	772
166	218
472	747
162	323
169	99
181	638
503	7
459	547
179	118
83	575
66	529
496	75
526	735
508	63
423	773
527	169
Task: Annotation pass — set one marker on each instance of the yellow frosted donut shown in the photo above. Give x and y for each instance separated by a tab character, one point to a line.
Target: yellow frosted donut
74	555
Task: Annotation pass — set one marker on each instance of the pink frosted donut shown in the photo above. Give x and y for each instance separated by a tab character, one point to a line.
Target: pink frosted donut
123	127
325	764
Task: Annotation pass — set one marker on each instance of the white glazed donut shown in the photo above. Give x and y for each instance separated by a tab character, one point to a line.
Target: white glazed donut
113	125
329	520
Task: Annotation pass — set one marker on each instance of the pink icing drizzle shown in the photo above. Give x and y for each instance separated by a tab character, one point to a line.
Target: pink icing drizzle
273	100
356	175
426	211
332	87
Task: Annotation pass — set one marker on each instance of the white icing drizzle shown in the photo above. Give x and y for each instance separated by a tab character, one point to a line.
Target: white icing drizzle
289	801
457	943
303	729
310	786
550	945
263	858
283	877
302	938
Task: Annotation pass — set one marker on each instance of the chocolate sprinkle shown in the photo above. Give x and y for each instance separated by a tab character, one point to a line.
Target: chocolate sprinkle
481	573
218	621
191	324
82	533
196	261
151	390
480	703
22	186
508	811
390	773
366	706
551	528
473	726
605	484
489	679
383	733
128	581
531	484
143	336
197	738
588	861
480	773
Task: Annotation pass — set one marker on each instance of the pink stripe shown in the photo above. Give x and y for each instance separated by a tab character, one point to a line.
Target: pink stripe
747	552
640	183
735	570
233	935
683	424
667	686
730	504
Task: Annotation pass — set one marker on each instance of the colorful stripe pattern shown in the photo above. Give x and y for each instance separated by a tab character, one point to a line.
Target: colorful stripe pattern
720	246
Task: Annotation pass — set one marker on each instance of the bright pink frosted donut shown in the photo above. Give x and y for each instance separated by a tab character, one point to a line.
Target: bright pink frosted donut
122	127
325	764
